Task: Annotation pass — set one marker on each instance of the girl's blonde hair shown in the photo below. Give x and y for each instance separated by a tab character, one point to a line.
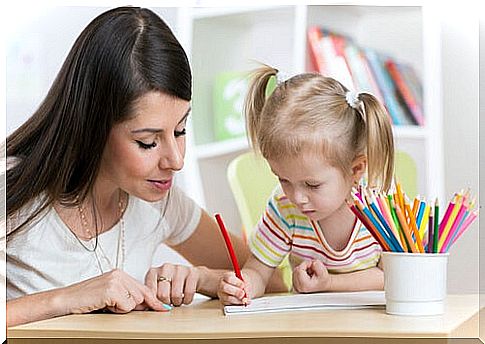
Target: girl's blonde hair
310	112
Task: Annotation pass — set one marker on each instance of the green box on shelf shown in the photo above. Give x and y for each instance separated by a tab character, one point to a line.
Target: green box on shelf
229	91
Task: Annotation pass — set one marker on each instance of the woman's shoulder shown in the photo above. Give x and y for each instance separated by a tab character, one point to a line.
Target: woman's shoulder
25	215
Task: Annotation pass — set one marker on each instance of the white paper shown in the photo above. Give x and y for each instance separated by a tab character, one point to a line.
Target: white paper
297	302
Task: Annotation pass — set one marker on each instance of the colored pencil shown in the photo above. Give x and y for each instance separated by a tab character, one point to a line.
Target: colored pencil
436	232
430	232
414	229
404	241
405	228
453	228
385	225
365	210
230	248
424	221
369	227
398	227
449	222
465	225
444	221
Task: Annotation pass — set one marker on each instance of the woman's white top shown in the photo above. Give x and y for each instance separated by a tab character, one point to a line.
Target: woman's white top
47	255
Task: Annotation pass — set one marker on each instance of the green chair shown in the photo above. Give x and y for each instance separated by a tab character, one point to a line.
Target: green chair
407	173
251	181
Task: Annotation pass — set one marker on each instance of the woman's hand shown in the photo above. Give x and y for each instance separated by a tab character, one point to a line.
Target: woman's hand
311	276
114	290
233	291
174	284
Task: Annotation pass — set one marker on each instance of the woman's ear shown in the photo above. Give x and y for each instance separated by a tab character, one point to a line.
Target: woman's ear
359	167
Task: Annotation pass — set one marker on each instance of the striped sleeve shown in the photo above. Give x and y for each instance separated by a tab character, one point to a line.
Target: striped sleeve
271	241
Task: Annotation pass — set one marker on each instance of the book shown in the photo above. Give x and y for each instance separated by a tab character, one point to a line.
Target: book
336	66
397	87
406	93
412	80
314	38
315	301
363	78
228	101
389	92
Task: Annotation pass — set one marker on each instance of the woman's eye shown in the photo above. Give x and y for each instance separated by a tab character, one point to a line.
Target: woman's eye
178	133
145	145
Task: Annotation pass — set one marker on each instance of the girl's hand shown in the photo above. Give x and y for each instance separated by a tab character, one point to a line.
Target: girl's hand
233	291
114	290
174	284
311	276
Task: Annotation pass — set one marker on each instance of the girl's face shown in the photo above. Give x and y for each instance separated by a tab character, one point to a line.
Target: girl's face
143	153
312	184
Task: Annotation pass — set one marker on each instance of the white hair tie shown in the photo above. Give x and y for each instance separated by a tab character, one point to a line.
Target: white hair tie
282	77
352	99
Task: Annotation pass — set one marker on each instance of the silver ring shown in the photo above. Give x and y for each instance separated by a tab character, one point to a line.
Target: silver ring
128	295
164	279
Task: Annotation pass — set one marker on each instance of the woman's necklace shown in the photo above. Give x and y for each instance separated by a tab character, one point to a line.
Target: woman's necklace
120	253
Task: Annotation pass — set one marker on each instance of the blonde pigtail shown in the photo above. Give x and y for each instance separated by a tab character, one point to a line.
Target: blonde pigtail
255	101
380	143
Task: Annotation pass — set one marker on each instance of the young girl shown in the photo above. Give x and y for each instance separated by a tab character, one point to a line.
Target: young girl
319	140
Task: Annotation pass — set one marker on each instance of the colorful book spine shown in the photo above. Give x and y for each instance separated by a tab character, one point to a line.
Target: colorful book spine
314	43
387	88
336	66
407	95
412	80
371	77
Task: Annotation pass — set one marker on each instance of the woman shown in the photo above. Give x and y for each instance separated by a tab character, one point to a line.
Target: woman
89	181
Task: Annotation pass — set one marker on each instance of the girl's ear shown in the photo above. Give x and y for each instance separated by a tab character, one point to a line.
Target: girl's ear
359	167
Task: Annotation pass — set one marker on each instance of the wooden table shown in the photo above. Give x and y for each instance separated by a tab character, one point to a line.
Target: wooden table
205	321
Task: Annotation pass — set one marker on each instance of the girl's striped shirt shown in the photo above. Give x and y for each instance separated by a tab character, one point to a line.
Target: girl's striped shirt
284	230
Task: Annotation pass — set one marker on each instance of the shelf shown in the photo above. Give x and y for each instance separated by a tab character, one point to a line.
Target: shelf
213	12
216	149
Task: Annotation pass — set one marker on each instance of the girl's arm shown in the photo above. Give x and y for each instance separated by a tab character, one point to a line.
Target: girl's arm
313	276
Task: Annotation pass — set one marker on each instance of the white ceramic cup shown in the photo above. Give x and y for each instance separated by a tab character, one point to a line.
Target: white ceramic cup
415	283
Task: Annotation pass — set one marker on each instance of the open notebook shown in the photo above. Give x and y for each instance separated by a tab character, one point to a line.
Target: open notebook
297	302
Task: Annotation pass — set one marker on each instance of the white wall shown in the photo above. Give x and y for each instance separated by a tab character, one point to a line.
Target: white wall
482	159
460	66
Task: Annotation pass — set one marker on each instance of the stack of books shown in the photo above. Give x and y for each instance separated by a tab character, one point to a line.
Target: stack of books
395	84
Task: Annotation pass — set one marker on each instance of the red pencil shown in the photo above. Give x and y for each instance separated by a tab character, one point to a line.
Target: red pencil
230	249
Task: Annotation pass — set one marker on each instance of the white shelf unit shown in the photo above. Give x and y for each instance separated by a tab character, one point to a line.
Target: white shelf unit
222	39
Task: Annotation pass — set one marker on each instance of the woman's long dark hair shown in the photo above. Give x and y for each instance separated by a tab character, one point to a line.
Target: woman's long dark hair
122	54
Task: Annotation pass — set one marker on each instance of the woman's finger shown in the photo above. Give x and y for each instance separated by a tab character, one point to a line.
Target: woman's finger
164	283
123	302
190	286
178	285
151	279
153	302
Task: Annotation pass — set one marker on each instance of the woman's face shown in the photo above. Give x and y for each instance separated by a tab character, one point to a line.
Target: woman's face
143	153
